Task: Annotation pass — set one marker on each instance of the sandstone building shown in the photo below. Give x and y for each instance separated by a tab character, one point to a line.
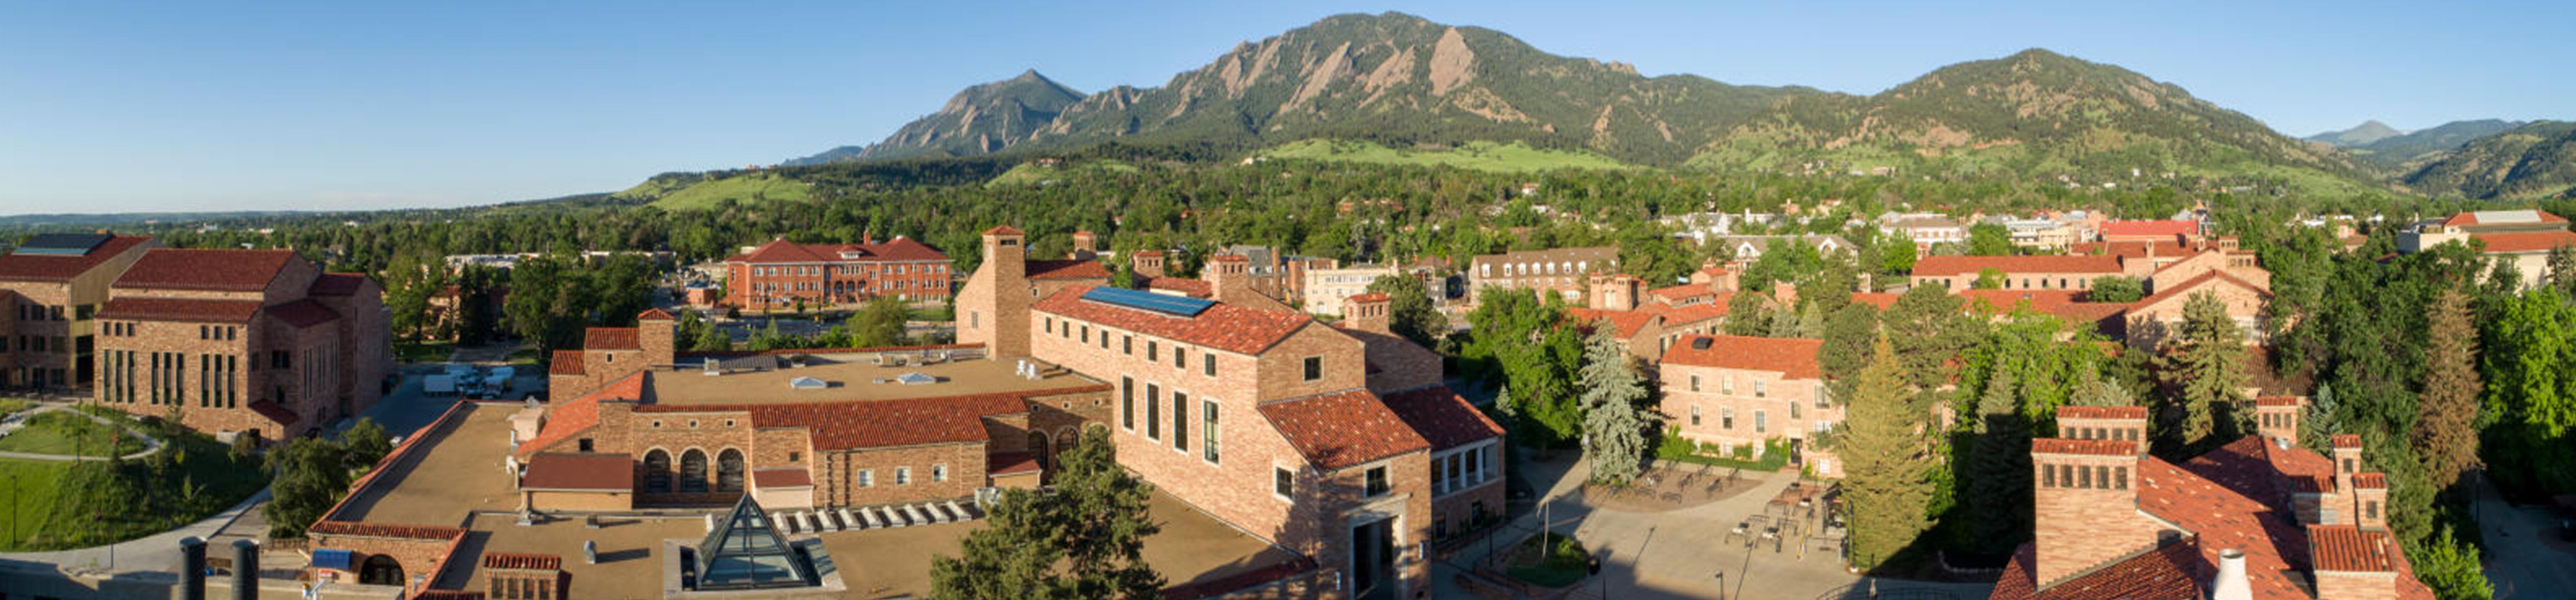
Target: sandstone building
241	341
50	291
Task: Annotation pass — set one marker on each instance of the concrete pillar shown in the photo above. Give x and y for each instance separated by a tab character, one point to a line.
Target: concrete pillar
192	568
245	570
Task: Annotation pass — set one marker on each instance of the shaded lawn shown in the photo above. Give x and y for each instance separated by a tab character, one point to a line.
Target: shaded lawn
69	434
56	505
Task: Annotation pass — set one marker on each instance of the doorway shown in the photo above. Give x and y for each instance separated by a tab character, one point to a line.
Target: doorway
1373	551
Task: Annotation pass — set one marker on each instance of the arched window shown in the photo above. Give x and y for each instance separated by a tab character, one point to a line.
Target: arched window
693	471
381	570
729	470
657	471
1038	447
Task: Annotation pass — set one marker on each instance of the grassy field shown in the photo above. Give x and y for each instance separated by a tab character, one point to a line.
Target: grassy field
1030	173
1481	156
421	352
756	187
54	505
10	405
68	433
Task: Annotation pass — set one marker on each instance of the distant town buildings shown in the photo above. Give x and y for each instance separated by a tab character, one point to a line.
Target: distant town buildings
1560	271
1325	288
1749	248
2521	238
1925	229
784	274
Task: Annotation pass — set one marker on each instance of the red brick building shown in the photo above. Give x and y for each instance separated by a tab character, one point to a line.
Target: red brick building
1745	391
1337	443
2257	518
784	274
235	341
50	292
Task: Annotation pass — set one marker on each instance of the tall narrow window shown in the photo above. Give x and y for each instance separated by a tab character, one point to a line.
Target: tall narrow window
1207	430
1153	411
1207	363
1127	403
1180	420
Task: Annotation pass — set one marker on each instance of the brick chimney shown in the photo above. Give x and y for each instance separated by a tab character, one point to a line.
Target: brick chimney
2347	458
1614	292
2277	418
2370	500
2329	501
993	306
1367	312
1148	263
2085	493
2353	563
1083	246
654	333
1230	278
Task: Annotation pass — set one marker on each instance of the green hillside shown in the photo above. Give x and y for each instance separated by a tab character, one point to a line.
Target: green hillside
1033	173
1478	155
698	192
2537	160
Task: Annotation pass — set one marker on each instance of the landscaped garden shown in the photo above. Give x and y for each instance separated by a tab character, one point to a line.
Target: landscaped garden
69	433
61	504
1548	560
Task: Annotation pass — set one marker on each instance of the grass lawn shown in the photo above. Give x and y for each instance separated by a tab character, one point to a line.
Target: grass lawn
422	352
11	405
1563	565
746	189
55	505
69	433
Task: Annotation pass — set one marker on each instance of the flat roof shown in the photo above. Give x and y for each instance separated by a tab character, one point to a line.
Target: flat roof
1193	548
629	548
458	471
850	381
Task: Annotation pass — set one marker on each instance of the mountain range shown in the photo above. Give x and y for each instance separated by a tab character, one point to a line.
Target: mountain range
1405	82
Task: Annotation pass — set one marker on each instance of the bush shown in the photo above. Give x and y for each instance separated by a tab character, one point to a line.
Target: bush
1562	562
1673	447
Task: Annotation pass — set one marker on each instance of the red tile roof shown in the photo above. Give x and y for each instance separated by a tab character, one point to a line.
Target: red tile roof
1195	288
2276	401
386	530
654	314
1681	291
337	284
780	251
566	362
1371	297
2130	248
2541	241
199	269
1442	417
1066	269
2471	218
570	418
515	560
435	594
1228	327
1678	316
2147	228
782	477
1004	230
2193	285
1882	300
1944	266
1010	463
611	338
2370	481
1624	322
2351	549
2085	447
1794	358
2101	412
40	267
2170	572
180	310
303	313
2347	440
579	472
1342	429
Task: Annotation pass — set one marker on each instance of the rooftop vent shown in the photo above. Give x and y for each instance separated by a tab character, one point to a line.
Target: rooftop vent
1702	342
808	383
915	378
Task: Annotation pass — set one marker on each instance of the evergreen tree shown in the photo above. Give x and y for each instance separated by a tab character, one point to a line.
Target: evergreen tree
1998	474
1887	479
1849	335
2203	366
1784	323
1611	421
2562	270
1989	239
1086	539
2320	422
2446	436
1929	330
711	339
2450	567
2092	389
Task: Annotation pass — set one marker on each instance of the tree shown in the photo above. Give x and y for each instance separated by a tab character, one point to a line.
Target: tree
2562	269
879	323
2204	369
1998	469
1886	477
1929	330
711	339
1989	278
2446	436
312	474
1989	239
1528	341
1611	421
2092	389
2115	288
1747	315
1849	336
1895	256
1409	311
1084	540
366	443
2450	567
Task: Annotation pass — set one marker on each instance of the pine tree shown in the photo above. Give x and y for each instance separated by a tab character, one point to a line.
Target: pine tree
2320	422
1998	474
2203	365
1886	475
1611	389
2562	270
2446	436
2092	389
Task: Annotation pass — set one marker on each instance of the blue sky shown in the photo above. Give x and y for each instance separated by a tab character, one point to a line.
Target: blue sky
115	107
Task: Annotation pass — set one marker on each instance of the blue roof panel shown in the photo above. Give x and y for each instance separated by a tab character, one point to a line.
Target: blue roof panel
1179	306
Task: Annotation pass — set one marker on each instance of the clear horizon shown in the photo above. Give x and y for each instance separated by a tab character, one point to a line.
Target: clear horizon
178	107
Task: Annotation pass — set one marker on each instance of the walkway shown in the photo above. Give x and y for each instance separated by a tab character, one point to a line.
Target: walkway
2520	559
16	421
1681	553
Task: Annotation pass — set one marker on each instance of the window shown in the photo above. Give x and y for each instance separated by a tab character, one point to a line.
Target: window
1761	421
1180	358
867	478
1152	351
2048	476
1283	482
1793	411
1727	386
1086	334
939	472
1694	383
903	475
1760	388
1726	417
1694	415
1207	430
1127	403
1314	368
795	456
1376	482
2119	478
1127	345
1153	412
2370	510
1180	420
1207	363
585	444
1050	324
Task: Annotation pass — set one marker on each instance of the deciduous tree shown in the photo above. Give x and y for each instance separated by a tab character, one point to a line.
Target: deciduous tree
1085	539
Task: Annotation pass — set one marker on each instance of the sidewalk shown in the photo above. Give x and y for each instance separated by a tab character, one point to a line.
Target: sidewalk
150	444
